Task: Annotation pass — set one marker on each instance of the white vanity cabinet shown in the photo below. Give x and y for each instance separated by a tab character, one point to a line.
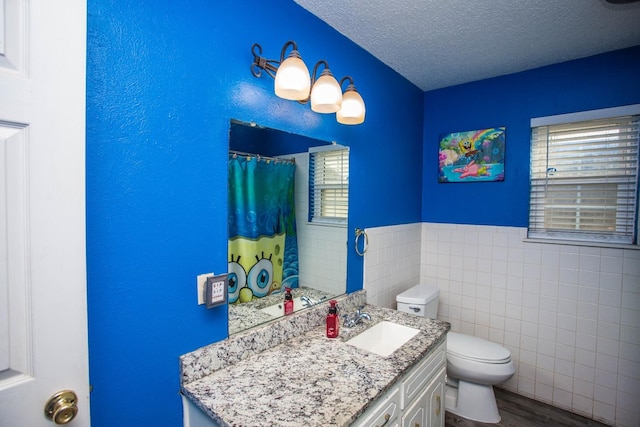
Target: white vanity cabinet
420	393
193	416
385	412
435	401
427	409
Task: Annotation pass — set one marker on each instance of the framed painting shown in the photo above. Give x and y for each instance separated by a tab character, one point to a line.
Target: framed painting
472	156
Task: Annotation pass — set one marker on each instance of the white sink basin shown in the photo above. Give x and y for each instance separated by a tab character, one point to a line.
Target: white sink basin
277	310
383	338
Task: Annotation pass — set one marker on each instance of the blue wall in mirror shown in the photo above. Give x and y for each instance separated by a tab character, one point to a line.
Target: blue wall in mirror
255	139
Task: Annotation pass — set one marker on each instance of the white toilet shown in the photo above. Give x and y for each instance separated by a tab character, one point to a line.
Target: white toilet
474	364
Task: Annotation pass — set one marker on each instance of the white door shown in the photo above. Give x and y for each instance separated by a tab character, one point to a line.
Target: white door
43	311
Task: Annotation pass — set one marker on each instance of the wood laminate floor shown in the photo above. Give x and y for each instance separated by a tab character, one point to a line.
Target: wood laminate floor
519	411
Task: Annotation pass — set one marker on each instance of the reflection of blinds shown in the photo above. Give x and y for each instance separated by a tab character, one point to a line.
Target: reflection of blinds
584	180
329	186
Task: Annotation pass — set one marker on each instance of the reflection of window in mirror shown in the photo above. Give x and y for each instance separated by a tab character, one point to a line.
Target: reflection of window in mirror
329	184
323	237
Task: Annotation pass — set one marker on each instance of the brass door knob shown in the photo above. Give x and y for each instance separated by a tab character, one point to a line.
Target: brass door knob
62	407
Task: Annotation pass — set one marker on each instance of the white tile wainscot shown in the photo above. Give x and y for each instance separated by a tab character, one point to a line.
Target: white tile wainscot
570	315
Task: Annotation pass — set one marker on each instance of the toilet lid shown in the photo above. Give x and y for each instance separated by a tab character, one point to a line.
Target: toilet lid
419	294
476	349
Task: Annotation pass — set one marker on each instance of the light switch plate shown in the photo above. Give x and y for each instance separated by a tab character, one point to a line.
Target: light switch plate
201	282
216	290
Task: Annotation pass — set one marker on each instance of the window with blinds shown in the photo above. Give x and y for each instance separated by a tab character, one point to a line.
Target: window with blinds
329	185
584	180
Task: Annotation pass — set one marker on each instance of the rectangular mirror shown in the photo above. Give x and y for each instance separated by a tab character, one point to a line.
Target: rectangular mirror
263	236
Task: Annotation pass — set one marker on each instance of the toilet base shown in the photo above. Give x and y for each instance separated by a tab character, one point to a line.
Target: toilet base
475	402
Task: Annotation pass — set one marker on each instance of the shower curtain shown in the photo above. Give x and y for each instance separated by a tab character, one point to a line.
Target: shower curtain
263	247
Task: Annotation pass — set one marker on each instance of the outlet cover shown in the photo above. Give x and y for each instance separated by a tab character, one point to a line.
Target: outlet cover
216	291
201	289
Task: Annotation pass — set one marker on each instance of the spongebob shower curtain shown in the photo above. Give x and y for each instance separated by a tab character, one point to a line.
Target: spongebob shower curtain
263	248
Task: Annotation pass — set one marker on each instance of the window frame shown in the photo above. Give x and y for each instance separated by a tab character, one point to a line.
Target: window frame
314	187
599	238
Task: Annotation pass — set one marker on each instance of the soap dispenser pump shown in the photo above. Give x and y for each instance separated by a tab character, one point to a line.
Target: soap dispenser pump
288	301
333	321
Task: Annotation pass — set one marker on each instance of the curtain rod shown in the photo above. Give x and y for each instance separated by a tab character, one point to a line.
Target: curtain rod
260	157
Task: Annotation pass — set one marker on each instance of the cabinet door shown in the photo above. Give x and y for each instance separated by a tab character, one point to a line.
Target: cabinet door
435	400
416	381
416	414
383	413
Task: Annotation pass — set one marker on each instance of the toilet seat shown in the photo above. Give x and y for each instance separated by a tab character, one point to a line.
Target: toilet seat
476	349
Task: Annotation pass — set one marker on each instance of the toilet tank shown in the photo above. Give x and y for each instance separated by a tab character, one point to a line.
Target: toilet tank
421	300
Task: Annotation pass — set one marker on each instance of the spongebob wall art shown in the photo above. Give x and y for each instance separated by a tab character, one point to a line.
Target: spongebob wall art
472	156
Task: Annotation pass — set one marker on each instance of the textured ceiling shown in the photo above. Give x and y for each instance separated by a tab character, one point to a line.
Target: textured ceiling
439	43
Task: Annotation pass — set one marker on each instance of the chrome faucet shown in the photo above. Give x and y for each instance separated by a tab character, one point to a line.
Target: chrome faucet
306	301
356	318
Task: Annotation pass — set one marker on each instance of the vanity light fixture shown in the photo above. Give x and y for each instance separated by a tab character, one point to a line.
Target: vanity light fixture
293	82
353	109
326	94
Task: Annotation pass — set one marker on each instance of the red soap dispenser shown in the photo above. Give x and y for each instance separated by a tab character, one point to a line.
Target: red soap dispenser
333	321
288	301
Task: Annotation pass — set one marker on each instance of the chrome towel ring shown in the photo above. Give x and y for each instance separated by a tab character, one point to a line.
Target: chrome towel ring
365	245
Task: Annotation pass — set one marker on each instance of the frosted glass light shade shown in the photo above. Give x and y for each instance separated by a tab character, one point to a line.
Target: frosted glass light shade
326	94
292	79
353	109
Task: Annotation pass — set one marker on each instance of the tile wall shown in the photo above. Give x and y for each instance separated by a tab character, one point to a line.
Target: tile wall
570	315
322	249
391	262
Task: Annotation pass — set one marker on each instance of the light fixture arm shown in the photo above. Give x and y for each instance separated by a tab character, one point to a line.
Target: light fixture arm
351	86
315	70
270	66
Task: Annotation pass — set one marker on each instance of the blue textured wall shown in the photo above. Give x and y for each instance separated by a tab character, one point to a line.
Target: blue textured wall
607	80
164	78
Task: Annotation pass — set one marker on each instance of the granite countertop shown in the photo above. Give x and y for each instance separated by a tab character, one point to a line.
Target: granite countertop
310	379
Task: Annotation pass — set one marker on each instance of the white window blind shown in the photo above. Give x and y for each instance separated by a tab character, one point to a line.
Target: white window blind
329	185
584	180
